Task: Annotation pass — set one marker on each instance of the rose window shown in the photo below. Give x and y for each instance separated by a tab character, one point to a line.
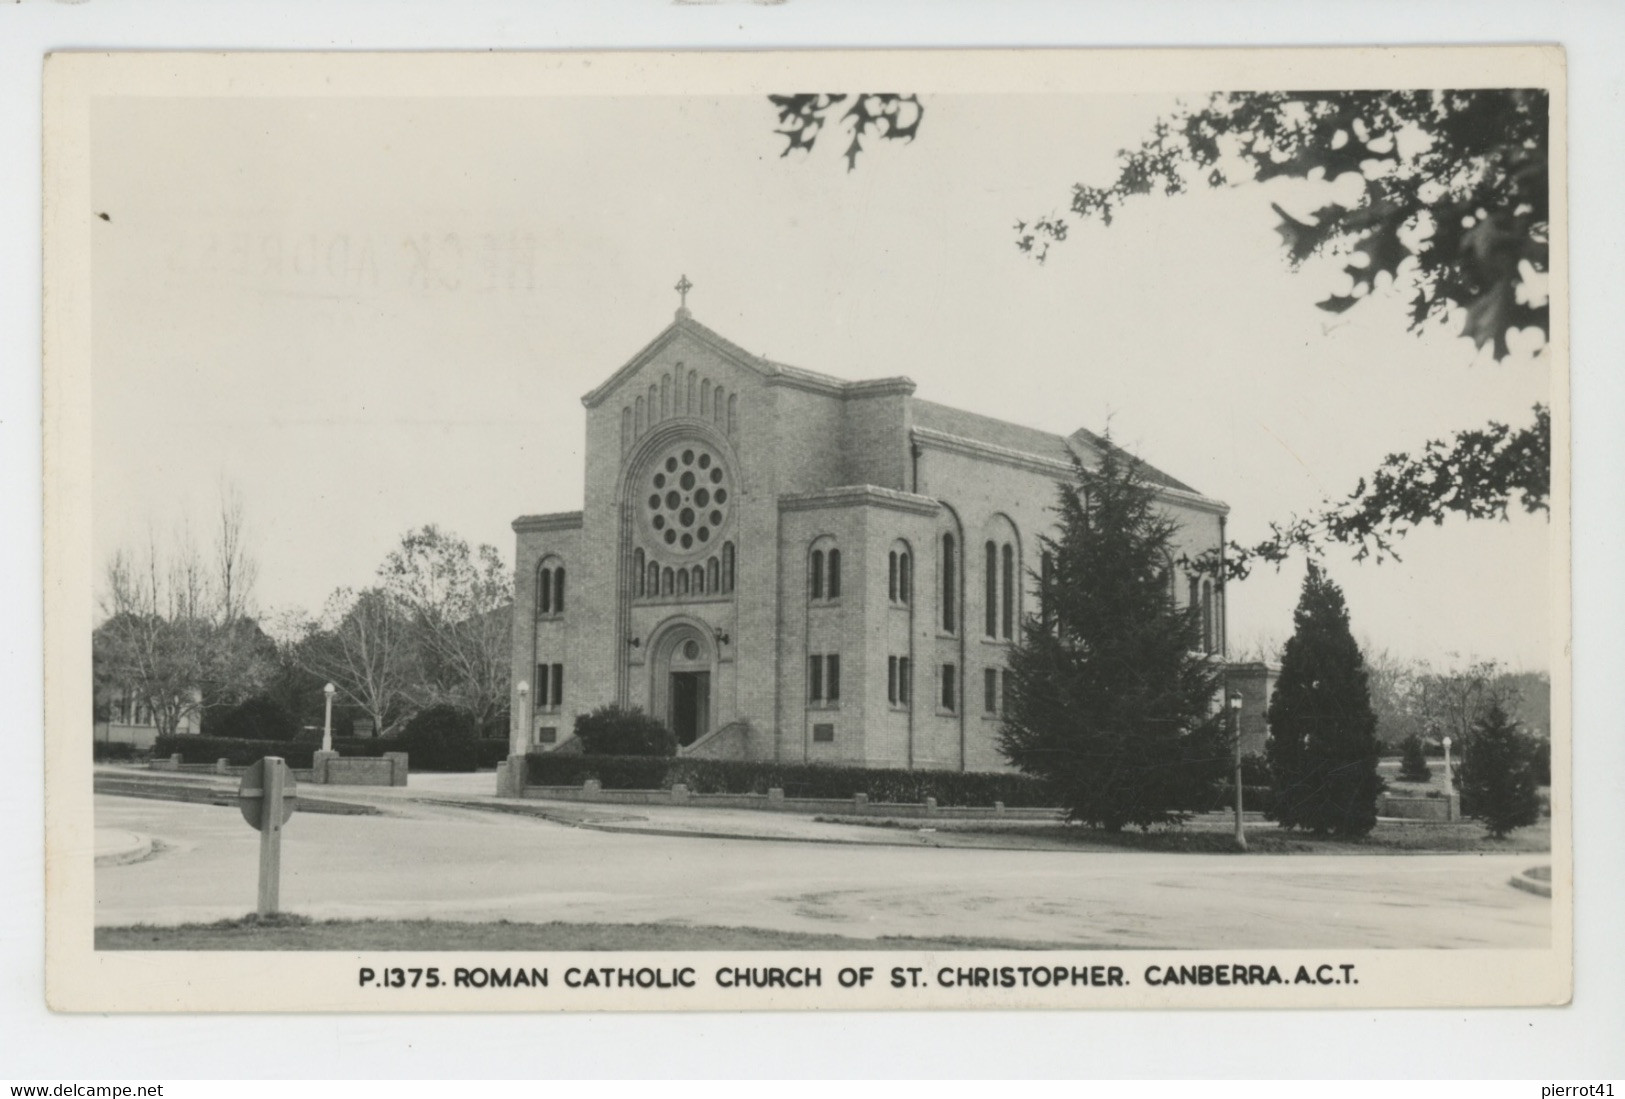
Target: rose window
686	499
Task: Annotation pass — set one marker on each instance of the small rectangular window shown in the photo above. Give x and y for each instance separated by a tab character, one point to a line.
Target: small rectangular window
990	690
891	679
541	686
823	734
815	679
950	688
832	679
903	680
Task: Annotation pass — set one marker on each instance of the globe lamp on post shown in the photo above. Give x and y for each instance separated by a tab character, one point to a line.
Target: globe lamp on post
1233	703
327	724
524	699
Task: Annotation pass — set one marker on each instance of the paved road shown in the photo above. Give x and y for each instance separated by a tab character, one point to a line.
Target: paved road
455	863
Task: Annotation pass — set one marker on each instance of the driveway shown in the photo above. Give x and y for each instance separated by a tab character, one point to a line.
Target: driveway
449	862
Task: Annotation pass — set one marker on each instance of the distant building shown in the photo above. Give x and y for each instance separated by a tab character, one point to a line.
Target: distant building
784	565
124	719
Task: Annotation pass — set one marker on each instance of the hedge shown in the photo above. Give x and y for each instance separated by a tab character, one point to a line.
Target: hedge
240	753
797	780
112	750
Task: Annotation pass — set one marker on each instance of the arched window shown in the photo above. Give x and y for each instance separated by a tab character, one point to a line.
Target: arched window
688	405
665	396
654	579
637	573
992	576
549	588
682	581
950	583
718	405
727	566
638	420
834	574
815	574
668	581
713	575
654	404
705	396
626	428
697	579
544	591
891	578
1008	612
558	590
905	582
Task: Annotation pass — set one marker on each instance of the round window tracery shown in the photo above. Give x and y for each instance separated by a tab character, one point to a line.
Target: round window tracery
686	501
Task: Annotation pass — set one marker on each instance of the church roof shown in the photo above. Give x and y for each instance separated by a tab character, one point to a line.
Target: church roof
926	414
1029	440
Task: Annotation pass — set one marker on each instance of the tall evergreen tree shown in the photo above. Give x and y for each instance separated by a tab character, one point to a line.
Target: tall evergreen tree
1323	746
1498	779
1110	700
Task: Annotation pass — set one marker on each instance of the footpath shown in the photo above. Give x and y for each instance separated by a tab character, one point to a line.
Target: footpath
472	792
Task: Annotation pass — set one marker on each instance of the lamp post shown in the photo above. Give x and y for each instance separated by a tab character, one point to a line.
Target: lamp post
1234	704
327	724
1449	786
524	716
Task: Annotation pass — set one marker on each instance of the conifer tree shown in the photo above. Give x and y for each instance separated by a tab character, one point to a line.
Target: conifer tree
1414	761
1498	781
1110	700
1323	746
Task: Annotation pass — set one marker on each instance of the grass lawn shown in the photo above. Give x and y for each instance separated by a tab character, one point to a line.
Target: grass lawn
1213	833
292	932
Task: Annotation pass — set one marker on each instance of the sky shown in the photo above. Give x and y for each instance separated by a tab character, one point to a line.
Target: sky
370	314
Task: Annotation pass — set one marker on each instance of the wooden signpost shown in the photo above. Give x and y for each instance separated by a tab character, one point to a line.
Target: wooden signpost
267	797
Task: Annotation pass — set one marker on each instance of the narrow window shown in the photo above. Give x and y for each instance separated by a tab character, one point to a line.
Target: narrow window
815	574
558	685
948	583
727	566
992	597
667	581
1007	622
558	590
682	581
1207	616
832	678
626	428
688	406
903	579
891	578
1194	596
719	405
638	415
891	678
990	690
705	394
834	574
815	679
903	680
638	577
544	591
950	689
665	397
713	575
654	578
541	686
698	577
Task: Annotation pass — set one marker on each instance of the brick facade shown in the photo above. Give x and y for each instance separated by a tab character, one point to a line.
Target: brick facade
732	476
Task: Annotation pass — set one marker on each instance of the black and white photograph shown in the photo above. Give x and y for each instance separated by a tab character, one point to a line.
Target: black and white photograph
626	532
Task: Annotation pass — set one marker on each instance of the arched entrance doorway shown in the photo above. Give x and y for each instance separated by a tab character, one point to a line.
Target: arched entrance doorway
681	679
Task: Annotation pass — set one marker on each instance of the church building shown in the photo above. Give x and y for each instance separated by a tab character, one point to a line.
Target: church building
785	565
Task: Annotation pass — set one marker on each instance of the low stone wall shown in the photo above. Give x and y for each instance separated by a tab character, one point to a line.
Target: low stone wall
775	801
1402	808
332	769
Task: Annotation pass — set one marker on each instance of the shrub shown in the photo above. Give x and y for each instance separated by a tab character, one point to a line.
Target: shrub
106	750
239	753
1498	774
440	738
1255	770
1414	763
797	780
624	731
257	718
